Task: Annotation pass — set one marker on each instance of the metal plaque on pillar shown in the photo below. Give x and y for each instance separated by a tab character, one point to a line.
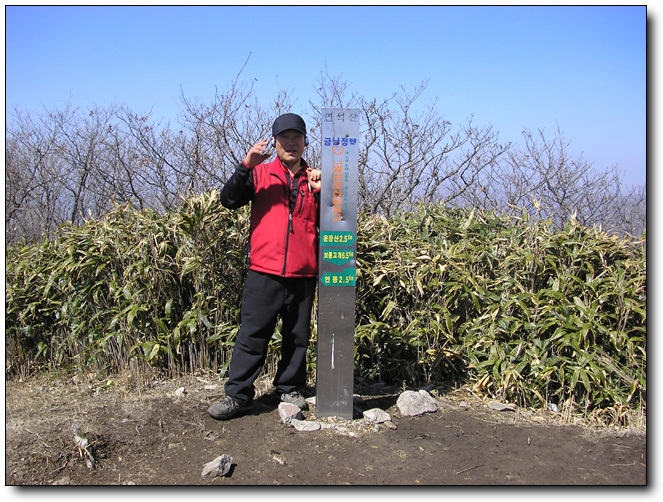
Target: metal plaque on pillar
338	266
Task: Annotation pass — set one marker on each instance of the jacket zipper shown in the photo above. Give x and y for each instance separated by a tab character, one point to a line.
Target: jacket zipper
290	184
301	202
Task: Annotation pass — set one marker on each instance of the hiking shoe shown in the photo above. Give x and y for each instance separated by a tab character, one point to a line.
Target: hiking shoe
227	408
295	397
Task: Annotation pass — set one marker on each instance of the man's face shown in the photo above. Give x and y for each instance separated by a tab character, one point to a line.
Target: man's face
290	146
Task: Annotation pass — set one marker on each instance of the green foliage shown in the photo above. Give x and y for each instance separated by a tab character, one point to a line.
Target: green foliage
160	288
525	313
521	311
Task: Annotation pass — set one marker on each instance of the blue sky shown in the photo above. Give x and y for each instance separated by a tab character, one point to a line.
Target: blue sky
580	68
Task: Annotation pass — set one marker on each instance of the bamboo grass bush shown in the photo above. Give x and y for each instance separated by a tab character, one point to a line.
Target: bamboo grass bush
524	312
520	310
163	289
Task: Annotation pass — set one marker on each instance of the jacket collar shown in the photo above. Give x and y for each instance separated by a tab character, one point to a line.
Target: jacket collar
277	166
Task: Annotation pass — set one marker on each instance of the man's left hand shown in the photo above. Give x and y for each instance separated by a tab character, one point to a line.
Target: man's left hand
314	178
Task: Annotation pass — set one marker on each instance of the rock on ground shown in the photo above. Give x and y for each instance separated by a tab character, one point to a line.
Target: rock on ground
220	466
376	416
412	403
288	412
304	426
496	405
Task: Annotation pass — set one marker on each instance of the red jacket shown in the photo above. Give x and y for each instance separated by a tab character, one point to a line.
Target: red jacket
284	218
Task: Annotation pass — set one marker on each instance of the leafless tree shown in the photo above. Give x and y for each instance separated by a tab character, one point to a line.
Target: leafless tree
70	164
409	153
544	178
221	132
83	147
34	175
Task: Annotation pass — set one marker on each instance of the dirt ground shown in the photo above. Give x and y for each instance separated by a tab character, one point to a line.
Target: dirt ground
157	435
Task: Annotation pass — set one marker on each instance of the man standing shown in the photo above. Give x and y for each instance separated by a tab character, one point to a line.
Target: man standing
283	264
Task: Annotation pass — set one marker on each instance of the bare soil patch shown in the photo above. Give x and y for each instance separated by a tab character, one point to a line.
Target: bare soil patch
155	435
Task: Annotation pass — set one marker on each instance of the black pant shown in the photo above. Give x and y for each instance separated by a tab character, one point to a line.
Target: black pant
265	297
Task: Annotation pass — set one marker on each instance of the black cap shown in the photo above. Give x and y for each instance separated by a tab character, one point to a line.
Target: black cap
289	121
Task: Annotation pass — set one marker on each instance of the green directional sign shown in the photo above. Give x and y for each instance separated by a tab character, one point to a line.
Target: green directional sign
338	262
339	238
338	256
345	278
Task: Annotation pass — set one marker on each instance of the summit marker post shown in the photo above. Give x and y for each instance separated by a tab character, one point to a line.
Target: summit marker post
338	265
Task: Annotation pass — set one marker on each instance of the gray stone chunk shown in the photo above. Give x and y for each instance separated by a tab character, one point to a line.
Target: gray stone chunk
376	416
220	466
411	403
496	405
288	412
304	426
